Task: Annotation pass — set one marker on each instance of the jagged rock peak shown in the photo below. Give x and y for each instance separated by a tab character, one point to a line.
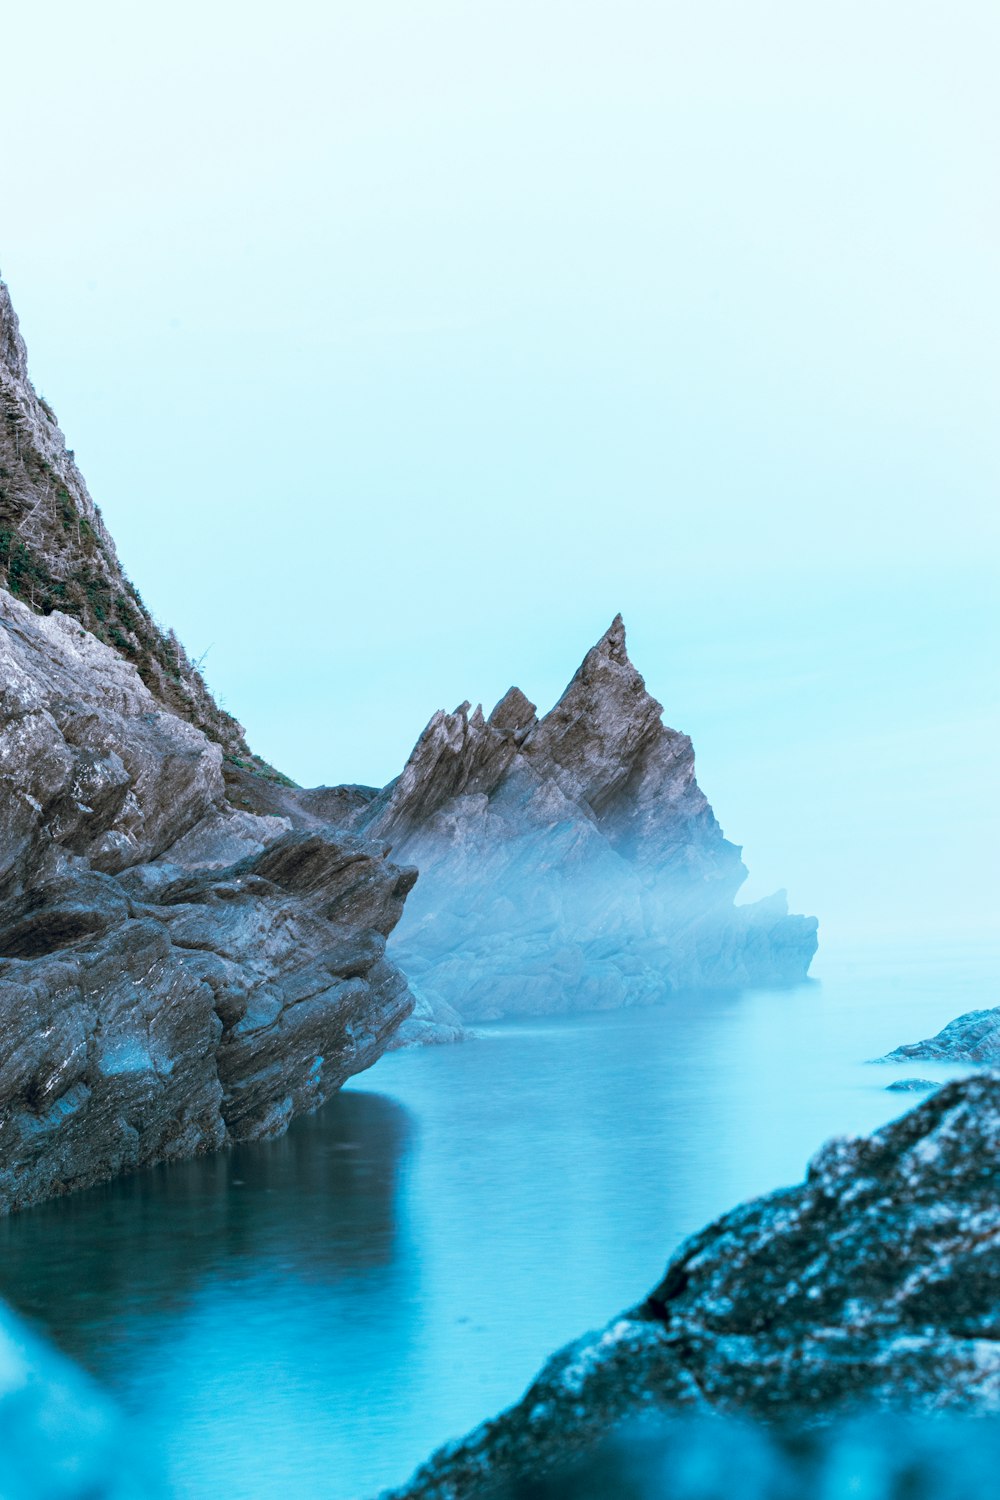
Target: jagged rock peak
514	712
56	553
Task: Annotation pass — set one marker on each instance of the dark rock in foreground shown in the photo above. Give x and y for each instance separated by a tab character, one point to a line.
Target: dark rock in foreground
972	1038
875	1283
60	1437
175	973
571	862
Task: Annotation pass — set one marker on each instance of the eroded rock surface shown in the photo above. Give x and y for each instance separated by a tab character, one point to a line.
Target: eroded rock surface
874	1284
972	1038
571	862
174	972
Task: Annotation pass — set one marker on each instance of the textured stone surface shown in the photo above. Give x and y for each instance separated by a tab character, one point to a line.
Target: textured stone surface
60	1437
875	1283
972	1038
174	972
56	553
570	862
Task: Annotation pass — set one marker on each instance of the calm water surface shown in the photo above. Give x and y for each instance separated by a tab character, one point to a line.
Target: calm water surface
311	1316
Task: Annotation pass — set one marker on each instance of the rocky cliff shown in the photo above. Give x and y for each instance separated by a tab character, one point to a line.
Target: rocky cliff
57	554
176	971
571	861
876	1283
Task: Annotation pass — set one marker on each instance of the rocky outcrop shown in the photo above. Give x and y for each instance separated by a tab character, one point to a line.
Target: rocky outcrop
57	554
876	1283
571	862
175	972
180	965
973	1038
60	1437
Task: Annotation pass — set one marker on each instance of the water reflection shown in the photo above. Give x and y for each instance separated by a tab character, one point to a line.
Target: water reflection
312	1316
319	1205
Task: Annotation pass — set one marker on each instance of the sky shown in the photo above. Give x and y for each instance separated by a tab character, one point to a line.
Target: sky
405	342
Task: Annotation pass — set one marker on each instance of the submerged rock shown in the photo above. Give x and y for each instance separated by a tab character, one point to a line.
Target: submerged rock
571	862
972	1038
874	1284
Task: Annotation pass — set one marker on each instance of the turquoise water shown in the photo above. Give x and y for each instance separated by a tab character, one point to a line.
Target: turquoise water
311	1316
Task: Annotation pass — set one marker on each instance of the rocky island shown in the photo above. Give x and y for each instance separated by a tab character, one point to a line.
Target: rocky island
570	862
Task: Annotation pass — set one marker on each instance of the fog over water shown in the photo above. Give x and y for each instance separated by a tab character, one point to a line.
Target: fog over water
314	1314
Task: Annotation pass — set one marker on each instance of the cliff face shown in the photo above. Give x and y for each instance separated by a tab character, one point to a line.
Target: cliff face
176	971
876	1283
57	554
572	861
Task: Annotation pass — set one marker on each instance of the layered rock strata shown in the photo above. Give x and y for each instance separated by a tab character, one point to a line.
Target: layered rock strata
571	862
175	972
874	1284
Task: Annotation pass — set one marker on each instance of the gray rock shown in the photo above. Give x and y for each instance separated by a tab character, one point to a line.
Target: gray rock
570	862
175	973
874	1284
972	1038
911	1086
60	1437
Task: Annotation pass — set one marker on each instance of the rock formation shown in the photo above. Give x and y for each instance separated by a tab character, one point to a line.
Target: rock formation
571	862
876	1283
973	1038
176	970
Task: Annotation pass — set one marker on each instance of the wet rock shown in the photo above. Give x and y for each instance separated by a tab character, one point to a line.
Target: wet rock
873	1284
570	862
911	1086
972	1038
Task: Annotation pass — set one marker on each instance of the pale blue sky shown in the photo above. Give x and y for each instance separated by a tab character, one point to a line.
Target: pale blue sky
404	343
